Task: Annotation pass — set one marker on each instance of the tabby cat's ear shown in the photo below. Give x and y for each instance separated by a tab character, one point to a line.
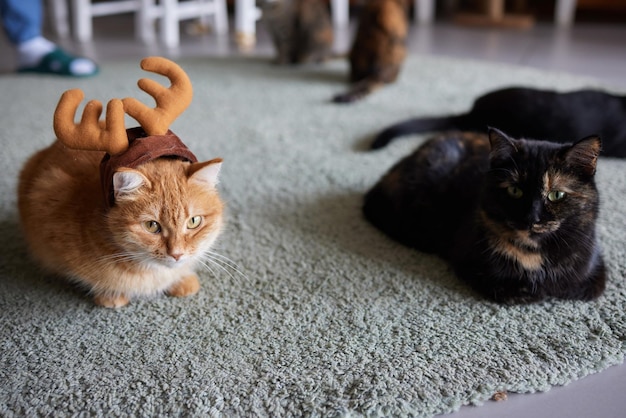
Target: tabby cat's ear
583	155
206	172
126	181
502	146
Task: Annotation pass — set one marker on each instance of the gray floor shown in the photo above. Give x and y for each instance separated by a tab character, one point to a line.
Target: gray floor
597	50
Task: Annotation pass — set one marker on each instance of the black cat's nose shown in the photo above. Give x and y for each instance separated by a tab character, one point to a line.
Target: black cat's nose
534	213
532	220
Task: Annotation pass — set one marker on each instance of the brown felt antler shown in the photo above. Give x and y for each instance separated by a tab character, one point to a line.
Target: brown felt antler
91	133
110	134
171	102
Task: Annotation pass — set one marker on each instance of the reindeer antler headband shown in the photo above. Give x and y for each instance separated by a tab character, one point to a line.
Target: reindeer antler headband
135	146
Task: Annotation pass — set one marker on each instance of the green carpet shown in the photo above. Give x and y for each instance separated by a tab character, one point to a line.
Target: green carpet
325	315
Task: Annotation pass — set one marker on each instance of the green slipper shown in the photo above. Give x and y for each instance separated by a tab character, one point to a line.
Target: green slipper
59	62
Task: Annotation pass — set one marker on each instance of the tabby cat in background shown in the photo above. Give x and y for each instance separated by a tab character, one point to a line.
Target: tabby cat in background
379	48
516	218
301	30
119	223
532	113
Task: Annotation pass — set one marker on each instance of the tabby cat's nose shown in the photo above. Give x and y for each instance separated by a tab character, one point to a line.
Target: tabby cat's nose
176	256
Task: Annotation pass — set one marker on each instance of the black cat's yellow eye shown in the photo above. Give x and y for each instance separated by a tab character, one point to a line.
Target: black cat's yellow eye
515	192
194	222
556	195
152	227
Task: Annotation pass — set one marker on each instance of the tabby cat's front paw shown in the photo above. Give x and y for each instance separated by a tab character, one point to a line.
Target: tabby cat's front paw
111	301
187	286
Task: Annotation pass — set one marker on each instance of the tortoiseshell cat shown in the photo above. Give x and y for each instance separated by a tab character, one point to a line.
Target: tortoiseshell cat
379	48
301	30
515	218
532	113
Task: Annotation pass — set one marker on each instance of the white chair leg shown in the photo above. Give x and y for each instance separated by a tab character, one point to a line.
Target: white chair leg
145	21
60	16
340	13
170	31
246	15
221	17
83	29
564	12
424	11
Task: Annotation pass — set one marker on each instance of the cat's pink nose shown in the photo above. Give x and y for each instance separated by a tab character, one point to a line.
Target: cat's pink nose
176	256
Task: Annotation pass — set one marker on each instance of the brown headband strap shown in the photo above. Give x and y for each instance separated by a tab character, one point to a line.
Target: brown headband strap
141	149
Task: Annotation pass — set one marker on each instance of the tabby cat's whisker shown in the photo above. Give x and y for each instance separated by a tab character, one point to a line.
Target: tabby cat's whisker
208	267
223	263
120	257
209	262
225	259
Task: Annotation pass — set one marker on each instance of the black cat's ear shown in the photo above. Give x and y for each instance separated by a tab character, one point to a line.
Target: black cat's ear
502	146
583	155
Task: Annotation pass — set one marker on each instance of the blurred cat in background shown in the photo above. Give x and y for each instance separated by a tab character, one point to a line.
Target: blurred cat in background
301	30
379	48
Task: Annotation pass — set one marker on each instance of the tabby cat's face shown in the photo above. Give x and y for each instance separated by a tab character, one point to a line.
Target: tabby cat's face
533	188
166	213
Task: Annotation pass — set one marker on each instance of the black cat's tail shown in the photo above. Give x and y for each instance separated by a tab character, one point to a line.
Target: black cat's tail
358	91
419	125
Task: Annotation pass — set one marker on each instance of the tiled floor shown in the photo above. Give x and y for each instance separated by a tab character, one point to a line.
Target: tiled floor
597	50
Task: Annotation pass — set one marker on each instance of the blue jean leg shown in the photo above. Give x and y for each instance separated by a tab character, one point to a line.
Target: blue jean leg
21	19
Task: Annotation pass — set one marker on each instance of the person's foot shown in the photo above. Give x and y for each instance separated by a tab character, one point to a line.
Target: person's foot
42	56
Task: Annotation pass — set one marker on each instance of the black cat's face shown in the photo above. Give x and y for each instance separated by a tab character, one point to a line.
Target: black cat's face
534	188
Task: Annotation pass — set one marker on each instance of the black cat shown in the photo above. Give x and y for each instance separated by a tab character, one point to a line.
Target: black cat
530	113
515	218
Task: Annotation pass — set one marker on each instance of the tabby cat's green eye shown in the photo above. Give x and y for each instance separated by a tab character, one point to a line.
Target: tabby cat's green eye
152	227
194	222
556	195
515	192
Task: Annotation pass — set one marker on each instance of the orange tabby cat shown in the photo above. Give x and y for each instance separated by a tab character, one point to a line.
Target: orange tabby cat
155	223
166	217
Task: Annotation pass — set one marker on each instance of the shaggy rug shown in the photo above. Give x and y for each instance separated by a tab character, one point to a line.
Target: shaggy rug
312	311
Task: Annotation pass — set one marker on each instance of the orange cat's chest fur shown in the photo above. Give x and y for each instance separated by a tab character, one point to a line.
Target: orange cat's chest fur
110	251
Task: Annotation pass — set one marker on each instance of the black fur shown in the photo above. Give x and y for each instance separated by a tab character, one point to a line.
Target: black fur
457	196
530	113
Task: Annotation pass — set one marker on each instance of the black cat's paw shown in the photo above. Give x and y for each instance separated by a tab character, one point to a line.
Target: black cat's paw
346	98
